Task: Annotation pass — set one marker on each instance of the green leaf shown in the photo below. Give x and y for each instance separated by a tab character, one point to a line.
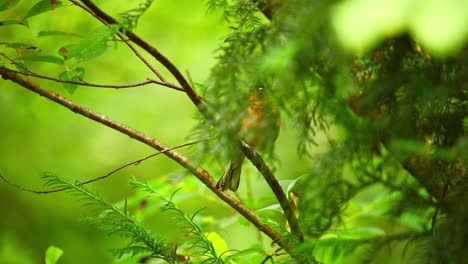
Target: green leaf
414	221
44	58
42	7
7	4
292	183
93	44
53	254
218	242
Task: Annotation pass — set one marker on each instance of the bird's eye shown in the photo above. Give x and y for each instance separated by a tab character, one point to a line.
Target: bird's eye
260	90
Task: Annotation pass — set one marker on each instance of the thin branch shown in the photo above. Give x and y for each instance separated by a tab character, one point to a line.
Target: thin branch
146	62
84	83
199	172
135	162
258	162
15	63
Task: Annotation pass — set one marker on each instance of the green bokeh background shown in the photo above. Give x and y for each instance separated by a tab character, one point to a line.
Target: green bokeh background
37	135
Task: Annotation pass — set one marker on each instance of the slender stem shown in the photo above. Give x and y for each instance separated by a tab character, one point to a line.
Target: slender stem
113	86
258	162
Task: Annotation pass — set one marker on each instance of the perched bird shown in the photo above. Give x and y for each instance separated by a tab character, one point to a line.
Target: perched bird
259	128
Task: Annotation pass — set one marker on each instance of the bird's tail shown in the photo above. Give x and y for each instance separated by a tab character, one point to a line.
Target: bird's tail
231	177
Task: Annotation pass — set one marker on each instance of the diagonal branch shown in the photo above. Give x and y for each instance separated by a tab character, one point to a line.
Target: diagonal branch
259	163
199	172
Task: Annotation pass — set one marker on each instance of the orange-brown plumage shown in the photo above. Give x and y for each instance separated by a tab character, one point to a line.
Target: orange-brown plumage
259	128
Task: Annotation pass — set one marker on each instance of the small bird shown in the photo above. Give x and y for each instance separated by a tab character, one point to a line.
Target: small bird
259	128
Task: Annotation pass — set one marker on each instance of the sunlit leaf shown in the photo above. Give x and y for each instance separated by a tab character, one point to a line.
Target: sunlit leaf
53	254
219	243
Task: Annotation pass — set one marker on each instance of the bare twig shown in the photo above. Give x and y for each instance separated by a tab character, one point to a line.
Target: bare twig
113	86
135	162
84	83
